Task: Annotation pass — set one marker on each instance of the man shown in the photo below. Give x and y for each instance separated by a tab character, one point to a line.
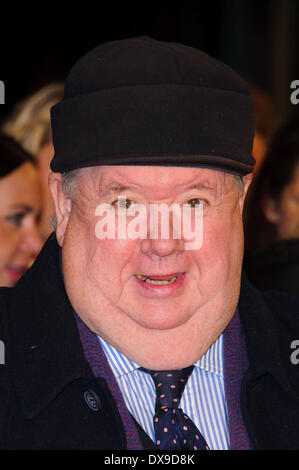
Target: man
117	341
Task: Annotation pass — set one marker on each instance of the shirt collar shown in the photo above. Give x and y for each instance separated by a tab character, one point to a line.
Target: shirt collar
118	362
211	361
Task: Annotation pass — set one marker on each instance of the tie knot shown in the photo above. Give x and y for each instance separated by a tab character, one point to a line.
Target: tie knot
170	385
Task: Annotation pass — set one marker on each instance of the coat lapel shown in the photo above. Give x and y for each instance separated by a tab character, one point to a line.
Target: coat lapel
47	355
269	391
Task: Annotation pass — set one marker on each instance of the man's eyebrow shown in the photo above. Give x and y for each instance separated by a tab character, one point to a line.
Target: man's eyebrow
114	187
202	186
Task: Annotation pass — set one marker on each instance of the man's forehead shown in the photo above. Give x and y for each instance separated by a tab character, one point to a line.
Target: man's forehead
115	178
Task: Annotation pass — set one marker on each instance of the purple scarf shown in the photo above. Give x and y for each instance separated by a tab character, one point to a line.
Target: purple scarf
235	365
97	360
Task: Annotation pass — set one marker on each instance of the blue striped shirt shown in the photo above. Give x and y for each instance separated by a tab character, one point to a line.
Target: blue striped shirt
203	399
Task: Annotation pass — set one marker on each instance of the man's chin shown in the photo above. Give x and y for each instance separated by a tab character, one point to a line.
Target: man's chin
162	318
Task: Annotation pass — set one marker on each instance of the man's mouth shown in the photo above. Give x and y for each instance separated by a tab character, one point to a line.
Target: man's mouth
159	280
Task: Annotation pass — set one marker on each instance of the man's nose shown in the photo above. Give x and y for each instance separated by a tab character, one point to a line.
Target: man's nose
163	237
162	248
162	245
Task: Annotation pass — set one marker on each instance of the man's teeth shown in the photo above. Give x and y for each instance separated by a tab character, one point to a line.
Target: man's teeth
156	281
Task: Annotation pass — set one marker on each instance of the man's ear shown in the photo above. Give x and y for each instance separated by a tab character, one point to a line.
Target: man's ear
247	179
63	205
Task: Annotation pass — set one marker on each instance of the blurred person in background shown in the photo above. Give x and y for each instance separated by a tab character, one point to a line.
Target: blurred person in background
265	123
29	124
20	240
272	216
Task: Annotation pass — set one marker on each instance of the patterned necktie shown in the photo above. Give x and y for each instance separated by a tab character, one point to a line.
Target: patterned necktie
174	430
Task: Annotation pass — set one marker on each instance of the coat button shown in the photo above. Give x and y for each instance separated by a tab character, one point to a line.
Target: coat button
92	400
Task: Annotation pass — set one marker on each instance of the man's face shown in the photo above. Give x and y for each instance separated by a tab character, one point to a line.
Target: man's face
157	325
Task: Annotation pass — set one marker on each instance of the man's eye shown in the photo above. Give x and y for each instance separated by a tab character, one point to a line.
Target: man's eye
16	219
195	202
123	203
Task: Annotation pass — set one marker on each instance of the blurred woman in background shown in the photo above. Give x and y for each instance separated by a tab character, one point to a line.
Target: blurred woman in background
30	125
272	215
20	204
265	123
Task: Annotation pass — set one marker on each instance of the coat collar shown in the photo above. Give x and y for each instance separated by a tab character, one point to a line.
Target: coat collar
267	345
47	353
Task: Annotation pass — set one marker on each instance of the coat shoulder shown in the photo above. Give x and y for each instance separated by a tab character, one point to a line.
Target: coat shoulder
281	306
4	317
5	379
284	308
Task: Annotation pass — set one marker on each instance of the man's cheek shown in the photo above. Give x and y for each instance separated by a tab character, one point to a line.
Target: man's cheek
214	238
112	249
112	257
220	250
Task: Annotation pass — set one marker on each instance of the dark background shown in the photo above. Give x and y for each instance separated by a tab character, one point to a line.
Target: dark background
259	38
